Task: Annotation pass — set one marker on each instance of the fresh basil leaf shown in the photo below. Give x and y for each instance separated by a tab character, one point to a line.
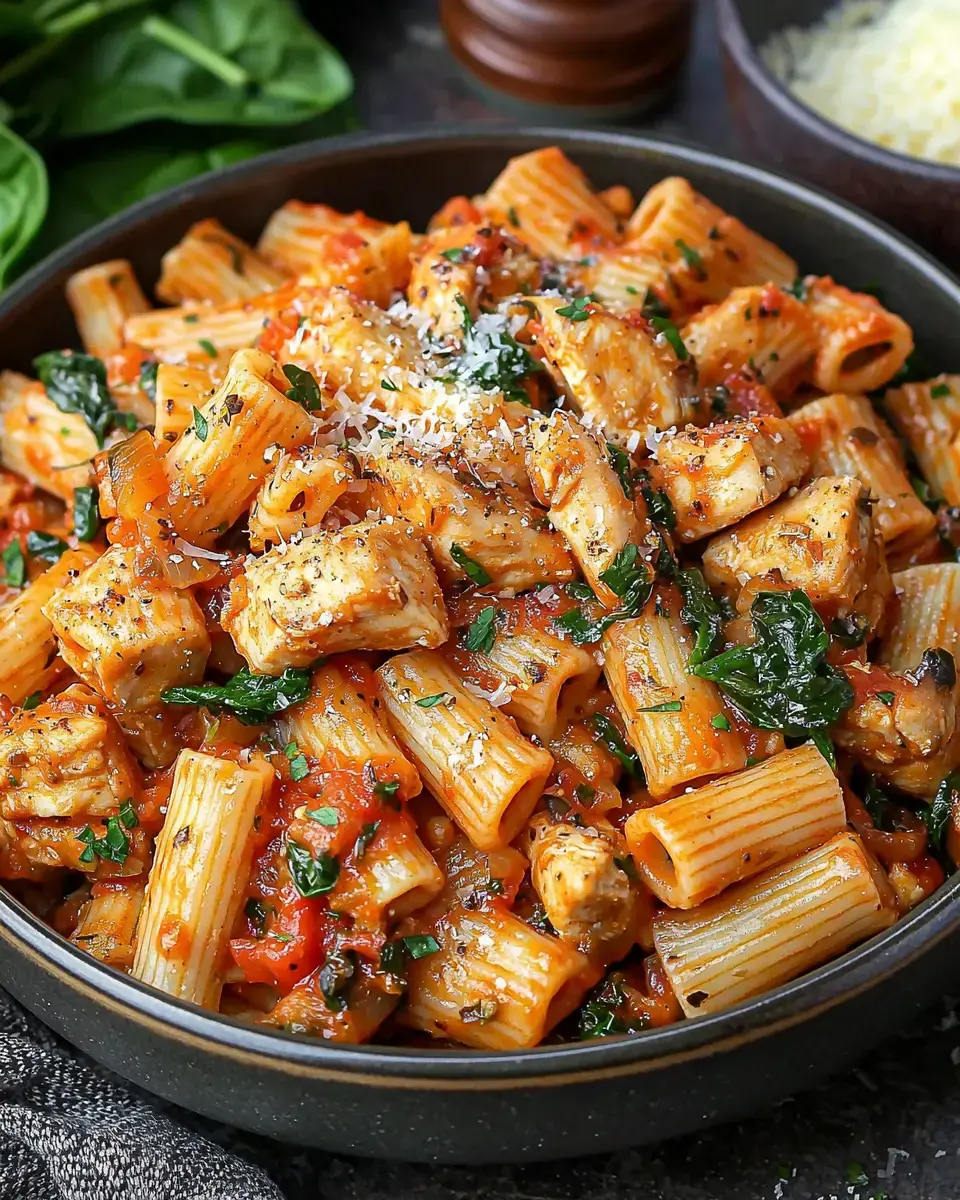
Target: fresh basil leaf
311	876
253	699
86	513
77	383
781	680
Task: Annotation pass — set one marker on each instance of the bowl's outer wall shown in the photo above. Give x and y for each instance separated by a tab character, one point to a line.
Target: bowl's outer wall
636	1094
920	198
553	1118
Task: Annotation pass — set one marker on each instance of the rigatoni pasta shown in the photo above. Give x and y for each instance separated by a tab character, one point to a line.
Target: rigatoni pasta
451	636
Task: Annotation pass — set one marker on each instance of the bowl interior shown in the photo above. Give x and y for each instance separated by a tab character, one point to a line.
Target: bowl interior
760	18
397	177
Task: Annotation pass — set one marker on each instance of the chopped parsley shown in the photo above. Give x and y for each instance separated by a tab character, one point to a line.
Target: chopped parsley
303	388
394	955
672	334
578	309
31	701
482	632
939	390
128	815
611	737
799	289
433	701
885	698
388	386
668	706
323	816
200	425
455	255
114	846
311	876
720	722
148	377
364	838
692	258
207	347
387	789
299	768
491	357
476	573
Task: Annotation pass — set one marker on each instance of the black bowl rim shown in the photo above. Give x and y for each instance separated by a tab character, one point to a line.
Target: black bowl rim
744	51
860	969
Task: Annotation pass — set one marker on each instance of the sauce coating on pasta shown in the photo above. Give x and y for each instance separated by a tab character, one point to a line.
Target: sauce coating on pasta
539	627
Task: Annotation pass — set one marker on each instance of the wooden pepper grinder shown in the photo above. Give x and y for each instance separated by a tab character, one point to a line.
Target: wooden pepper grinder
595	58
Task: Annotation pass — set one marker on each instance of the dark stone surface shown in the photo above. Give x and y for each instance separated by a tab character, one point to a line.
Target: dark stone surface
896	1118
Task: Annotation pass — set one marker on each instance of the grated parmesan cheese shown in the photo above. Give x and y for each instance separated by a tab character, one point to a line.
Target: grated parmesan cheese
887	71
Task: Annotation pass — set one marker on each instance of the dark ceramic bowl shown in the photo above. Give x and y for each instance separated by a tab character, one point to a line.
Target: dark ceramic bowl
919	197
462	1106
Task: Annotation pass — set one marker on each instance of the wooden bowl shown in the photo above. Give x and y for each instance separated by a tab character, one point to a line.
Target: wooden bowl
917	196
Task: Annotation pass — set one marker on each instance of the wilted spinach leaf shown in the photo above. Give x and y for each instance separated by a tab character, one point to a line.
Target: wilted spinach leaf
781	680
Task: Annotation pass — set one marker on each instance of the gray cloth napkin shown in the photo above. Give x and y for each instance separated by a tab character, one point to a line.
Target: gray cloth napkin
72	1131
